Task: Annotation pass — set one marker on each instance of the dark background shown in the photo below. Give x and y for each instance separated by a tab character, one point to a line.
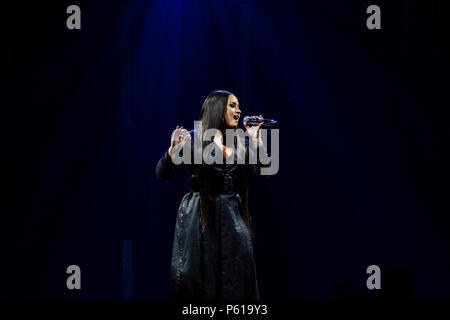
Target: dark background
363	176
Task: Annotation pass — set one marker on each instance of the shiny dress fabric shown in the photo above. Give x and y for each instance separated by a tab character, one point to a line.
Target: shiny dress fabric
219	263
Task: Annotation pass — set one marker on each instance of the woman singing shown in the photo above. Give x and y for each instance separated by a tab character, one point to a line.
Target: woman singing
212	257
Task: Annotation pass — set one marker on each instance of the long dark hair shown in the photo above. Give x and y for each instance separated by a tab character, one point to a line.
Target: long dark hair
213	110
212	116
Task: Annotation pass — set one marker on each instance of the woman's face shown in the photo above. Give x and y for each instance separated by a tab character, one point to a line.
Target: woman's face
233	112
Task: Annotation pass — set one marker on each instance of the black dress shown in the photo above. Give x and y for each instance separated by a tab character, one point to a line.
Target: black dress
218	263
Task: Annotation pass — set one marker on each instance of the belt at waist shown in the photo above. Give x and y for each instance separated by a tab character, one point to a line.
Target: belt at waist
218	183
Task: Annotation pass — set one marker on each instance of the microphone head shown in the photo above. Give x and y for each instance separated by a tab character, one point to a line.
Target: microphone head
266	122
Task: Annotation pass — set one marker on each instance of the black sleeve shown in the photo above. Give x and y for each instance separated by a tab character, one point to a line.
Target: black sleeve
166	169
255	169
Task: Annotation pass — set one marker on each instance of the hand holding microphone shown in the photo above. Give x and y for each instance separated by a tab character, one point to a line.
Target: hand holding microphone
256	122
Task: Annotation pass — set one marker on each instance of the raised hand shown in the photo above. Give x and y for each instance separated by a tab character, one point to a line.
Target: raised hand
179	137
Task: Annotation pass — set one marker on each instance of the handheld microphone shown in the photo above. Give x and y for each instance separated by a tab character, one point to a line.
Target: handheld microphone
265	122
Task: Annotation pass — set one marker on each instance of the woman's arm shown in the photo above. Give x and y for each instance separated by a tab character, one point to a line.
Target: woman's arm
257	149
262	159
166	169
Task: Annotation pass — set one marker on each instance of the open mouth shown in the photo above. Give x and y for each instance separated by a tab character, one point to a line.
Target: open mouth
236	117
